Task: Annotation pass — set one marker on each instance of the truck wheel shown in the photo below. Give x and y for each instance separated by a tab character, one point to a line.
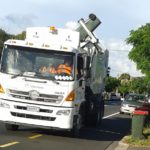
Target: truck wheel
11	127
97	119
103	109
94	120
121	112
75	131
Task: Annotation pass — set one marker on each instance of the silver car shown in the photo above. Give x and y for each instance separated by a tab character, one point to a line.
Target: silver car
131	102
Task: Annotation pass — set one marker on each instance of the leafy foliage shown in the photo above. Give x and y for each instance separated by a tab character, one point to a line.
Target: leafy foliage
138	85
140	53
5	36
127	84
124	76
20	36
124	89
111	84
139	142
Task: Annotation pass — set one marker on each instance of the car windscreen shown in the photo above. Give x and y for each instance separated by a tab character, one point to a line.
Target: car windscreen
135	98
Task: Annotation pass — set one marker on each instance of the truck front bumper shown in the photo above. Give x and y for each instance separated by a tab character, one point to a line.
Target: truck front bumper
38	115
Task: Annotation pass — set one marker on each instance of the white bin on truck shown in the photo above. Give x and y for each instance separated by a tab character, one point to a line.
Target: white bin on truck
54	78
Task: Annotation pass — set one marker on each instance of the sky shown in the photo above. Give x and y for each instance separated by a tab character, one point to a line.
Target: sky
118	18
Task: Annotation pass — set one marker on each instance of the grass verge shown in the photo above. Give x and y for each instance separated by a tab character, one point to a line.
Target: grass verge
143	142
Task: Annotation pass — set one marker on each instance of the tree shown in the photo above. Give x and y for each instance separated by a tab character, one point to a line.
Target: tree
124	89
124	76
3	37
140	53
111	84
138	85
147	84
125	80
20	36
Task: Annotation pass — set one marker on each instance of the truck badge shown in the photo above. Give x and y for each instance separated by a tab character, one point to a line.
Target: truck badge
34	94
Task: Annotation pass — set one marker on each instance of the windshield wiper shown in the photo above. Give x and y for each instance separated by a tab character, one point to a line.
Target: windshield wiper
30	74
55	81
17	75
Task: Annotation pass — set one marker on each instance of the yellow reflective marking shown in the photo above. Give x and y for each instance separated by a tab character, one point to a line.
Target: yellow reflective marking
35	136
9	144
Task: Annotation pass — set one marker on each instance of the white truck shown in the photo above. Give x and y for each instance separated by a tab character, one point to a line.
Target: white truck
31	97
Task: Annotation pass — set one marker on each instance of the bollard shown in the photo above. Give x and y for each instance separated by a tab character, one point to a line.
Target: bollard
138	120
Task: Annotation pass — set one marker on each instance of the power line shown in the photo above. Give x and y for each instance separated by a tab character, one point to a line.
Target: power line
119	50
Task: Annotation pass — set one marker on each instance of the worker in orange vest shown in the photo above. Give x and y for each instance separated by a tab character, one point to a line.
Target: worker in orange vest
64	68
43	69
52	70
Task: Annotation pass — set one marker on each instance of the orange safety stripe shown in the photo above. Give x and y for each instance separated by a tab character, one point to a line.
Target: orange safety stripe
64	69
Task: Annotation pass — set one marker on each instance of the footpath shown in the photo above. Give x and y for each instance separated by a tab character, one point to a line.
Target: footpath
140	118
123	146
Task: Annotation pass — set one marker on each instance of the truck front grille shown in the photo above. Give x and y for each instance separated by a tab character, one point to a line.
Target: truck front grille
42	97
40	110
29	116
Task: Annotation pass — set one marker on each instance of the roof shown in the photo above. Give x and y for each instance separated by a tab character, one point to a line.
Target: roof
49	39
53	36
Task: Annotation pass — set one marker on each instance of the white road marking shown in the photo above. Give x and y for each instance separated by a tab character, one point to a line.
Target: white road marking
111	115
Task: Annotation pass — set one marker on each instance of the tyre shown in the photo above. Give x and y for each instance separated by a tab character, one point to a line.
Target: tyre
121	112
11	127
94	120
102	109
75	131
97	119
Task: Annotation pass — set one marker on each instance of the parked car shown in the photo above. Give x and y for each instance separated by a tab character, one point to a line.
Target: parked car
148	98
131	102
114	96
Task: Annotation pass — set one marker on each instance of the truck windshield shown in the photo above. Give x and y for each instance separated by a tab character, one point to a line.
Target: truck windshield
23	61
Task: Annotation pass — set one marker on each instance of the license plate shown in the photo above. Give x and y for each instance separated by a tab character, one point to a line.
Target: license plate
33	108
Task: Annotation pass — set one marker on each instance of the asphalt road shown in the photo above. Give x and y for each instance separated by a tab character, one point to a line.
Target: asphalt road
113	128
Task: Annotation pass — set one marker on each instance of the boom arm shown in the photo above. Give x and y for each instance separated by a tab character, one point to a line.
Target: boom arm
86	29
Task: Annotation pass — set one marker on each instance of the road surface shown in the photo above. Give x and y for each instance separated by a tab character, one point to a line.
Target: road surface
113	128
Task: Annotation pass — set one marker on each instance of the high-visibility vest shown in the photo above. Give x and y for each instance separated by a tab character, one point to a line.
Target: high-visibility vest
62	68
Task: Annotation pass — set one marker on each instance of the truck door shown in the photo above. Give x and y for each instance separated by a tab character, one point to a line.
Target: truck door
80	78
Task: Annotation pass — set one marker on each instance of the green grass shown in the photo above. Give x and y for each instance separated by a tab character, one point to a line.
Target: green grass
143	142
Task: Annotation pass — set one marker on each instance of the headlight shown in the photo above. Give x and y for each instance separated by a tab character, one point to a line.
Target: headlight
4	105
60	97
63	112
